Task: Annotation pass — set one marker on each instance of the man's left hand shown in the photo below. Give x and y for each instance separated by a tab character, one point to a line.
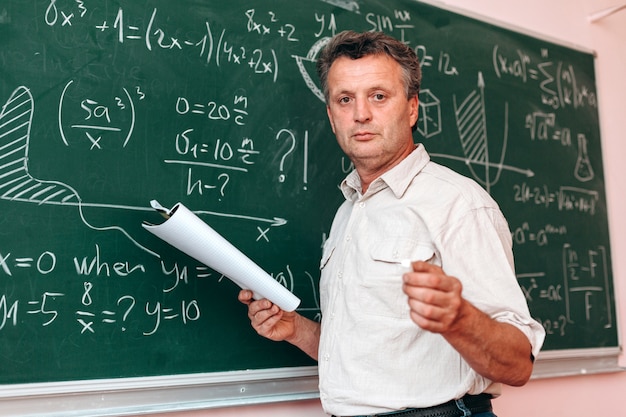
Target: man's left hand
435	298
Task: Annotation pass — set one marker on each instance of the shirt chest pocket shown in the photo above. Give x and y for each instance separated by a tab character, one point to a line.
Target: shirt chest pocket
380	279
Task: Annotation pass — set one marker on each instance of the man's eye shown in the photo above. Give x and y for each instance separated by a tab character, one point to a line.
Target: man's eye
379	97
344	100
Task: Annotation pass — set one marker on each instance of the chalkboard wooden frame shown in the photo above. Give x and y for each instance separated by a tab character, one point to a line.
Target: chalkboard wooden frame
571	362
143	395
505	25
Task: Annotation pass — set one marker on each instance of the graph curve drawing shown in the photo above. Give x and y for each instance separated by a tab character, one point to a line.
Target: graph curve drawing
16	182
471	121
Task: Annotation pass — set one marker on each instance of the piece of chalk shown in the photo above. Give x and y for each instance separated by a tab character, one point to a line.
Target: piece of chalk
406	265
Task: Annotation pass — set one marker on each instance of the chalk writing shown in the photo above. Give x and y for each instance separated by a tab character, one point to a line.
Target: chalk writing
540	236
442	62
582	293
471	120
96	118
585	278
564	198
125	311
583	171
559	87
97	267
270	23
541	127
214	111
20	185
429	123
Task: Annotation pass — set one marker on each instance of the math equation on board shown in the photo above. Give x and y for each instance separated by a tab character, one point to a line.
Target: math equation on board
92	271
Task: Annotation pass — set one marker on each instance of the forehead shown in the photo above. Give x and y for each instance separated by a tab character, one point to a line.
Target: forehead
365	72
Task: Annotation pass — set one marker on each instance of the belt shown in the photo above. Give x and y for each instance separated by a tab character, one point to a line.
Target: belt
480	403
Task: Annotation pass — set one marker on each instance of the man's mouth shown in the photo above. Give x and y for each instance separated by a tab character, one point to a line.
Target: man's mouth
363	135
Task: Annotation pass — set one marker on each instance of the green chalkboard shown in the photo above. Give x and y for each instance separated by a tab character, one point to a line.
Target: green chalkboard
107	105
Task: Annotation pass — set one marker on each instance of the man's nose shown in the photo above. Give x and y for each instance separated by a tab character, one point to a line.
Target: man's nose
362	111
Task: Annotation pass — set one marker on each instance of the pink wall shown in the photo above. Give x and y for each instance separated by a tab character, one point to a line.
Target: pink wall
598	395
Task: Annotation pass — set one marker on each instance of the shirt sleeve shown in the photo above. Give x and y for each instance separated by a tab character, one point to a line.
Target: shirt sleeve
476	248
530	327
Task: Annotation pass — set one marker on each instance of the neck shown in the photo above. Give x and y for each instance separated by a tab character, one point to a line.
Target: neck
368	174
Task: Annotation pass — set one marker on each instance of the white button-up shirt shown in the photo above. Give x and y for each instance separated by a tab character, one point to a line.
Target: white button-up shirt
373	358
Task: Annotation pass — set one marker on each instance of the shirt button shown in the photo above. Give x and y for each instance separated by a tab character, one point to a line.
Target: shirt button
326	357
361	204
340	274
348	238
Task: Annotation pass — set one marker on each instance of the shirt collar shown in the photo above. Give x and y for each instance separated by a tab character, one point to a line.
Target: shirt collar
397	178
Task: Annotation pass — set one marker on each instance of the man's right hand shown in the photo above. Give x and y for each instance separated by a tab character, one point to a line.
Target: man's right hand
271	322
267	318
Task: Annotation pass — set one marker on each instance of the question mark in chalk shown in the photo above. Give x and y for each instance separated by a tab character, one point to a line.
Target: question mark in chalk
281	177
132	304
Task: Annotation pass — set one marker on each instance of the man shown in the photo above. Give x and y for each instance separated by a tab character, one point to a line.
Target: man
443	333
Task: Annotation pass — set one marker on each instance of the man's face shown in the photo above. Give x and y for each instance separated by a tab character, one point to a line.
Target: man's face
369	112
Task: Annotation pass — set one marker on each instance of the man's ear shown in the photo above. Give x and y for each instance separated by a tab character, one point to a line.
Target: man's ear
414	108
330	119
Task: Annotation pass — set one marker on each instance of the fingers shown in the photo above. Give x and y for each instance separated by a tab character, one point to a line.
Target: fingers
265	321
431	276
245	296
434	298
259	311
262	313
432	288
434	312
424	266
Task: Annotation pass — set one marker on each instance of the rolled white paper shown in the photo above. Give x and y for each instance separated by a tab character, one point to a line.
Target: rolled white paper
188	233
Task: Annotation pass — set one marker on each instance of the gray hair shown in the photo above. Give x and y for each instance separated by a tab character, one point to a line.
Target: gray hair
356	45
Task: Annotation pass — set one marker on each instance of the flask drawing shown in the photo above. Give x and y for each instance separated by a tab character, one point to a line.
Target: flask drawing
583	171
